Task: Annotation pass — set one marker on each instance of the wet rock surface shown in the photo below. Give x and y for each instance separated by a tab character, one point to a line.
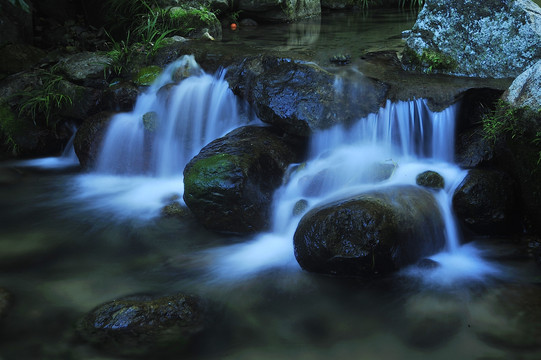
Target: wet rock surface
89	138
486	202
301	97
430	179
373	233
140	325
229	184
526	88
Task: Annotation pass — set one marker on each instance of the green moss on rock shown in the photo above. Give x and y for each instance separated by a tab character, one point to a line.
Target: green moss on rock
147	75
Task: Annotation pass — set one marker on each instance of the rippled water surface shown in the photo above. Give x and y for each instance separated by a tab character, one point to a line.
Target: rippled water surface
61	255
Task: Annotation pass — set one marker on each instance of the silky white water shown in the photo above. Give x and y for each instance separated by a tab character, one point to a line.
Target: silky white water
144	152
402	140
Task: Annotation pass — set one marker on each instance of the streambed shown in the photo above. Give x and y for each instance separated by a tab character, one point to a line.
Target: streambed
61	256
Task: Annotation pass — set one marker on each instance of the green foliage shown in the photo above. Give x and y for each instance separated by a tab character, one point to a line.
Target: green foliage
120	54
43	102
412	3
9	127
434	60
520	126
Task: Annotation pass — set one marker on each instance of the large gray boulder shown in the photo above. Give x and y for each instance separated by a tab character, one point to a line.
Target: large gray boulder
373	233
279	10
301	97
229	185
526	89
489	38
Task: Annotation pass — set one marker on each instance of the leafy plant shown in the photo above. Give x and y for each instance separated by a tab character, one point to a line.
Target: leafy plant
42	102
412	3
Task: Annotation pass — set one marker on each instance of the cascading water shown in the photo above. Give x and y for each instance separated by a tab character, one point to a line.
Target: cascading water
145	151
406	138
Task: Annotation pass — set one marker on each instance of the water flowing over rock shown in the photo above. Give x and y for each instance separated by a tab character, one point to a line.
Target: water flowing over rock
492	38
140	324
526	89
280	10
301	97
229	185
372	233
486	202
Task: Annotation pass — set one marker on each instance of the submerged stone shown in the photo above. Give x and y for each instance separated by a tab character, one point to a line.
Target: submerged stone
141	325
372	233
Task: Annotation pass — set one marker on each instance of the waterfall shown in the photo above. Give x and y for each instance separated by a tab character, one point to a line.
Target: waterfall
170	123
144	152
403	139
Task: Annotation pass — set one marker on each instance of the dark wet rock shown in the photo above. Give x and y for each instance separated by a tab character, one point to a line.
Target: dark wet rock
493	38
89	137
120	96
175	209
299	207
372	233
526	89
84	101
430	321
486	202
278	10
474	149
140	325
16	25
19	57
86	68
301	97
508	317
430	179
428	264
230	183
5	302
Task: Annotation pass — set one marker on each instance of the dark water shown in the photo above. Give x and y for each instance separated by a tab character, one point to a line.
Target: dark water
61	257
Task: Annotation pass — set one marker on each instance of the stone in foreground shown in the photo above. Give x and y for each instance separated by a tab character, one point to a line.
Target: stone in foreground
372	233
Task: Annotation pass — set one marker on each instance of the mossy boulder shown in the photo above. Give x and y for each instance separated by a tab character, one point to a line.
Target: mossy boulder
142	325
279	10
486	203
377	232
147	75
229	185
89	137
194	22
430	179
492	38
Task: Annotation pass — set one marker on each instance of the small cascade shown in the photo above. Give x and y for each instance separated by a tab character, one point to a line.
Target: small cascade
390	147
144	152
170	123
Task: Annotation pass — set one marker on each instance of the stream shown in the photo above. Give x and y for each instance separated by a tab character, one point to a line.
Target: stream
72	240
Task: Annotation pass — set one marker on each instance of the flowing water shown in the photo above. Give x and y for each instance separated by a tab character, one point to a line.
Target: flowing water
71	241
